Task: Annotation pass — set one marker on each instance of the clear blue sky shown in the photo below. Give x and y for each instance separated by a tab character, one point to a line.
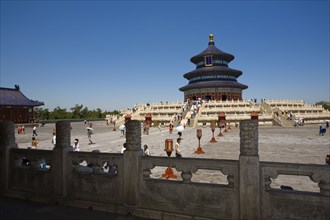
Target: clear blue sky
113	54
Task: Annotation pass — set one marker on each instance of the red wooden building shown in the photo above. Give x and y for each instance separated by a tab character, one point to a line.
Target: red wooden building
15	106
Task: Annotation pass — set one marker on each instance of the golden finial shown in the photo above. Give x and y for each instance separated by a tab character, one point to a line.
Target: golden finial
211	37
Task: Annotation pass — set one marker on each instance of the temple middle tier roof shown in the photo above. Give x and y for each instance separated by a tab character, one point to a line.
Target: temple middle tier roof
213	70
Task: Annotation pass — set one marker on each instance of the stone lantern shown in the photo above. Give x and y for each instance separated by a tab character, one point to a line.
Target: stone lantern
127	117
148	119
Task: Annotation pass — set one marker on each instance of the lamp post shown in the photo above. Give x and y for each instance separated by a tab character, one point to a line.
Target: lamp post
213	129
199	136
221	122
219	125
169	149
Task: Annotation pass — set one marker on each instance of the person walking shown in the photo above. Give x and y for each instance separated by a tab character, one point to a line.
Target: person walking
177	148
89	135
34	131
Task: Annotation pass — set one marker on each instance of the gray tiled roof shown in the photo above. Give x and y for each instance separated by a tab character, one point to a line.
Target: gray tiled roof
213	84
213	69
14	97
212	50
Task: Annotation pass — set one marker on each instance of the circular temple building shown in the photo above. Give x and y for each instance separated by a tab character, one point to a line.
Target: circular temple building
213	79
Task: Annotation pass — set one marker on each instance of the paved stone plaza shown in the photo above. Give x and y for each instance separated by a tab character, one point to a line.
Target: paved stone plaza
278	144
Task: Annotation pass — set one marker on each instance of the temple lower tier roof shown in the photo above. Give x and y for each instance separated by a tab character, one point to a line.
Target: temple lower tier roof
220	70
213	84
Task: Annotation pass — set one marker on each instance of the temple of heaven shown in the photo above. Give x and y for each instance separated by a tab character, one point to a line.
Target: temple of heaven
213	79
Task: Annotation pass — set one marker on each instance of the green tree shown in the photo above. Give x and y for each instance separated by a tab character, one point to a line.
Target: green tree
60	113
76	111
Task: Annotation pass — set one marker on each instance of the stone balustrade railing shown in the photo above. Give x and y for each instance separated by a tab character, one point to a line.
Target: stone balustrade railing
317	173
284	101
189	166
123	183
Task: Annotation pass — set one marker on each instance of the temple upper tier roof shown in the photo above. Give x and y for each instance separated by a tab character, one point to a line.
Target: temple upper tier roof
212	70
212	50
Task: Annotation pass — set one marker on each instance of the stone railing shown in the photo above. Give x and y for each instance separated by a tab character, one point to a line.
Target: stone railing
281	204
124	183
284	102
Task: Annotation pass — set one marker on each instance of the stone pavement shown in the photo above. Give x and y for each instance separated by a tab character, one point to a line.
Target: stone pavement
277	144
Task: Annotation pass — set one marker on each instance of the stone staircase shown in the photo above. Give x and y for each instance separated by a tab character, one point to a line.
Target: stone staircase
281	120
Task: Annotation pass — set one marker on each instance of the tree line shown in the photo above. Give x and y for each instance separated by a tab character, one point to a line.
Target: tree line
76	112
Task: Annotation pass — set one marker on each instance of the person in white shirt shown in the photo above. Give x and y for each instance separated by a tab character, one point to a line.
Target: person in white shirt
76	146
123	148
54	139
146	151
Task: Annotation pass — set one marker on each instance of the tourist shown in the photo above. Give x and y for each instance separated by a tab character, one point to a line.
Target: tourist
89	134
146	151
34	143
20	129
54	139
122	129
177	148
170	127
112	169
123	148
76	146
34	132
146	129
322	130
25	162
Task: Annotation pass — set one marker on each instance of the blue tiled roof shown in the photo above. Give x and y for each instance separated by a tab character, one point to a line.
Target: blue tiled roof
14	97
213	84
212	50
212	69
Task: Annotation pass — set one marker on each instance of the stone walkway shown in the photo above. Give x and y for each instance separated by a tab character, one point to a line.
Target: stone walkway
277	144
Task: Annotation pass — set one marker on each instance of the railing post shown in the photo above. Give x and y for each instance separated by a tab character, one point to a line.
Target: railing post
7	142
132	156
249	173
59	165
